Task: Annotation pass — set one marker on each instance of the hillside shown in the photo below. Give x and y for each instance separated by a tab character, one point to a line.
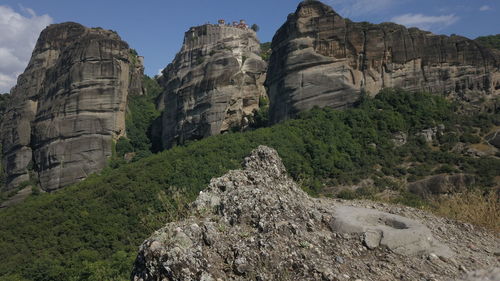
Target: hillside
91	230
256	224
99	159
490	41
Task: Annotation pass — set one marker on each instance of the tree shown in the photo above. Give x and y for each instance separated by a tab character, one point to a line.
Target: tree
255	27
491	41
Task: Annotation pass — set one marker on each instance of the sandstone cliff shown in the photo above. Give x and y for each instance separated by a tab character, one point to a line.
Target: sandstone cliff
257	224
212	84
68	106
321	59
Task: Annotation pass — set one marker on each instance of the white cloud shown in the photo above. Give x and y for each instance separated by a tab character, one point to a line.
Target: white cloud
484	8
19	33
426	22
6	82
348	8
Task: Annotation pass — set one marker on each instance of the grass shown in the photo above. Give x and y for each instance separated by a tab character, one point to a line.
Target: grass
471	207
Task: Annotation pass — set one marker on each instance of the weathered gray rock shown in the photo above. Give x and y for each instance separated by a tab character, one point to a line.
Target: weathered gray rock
212	84
491	274
401	235
257	224
68	106
321	59
494	139
18	197
399	138
441	184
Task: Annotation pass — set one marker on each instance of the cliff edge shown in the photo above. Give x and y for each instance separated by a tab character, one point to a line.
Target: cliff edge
212	85
322	59
68	106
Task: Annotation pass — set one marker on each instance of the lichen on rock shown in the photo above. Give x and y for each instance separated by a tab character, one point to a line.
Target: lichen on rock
257	224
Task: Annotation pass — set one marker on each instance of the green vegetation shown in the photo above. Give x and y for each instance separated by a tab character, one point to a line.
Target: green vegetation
4	101
200	60
491	41
260	116
133	57
140	115
92	230
265	51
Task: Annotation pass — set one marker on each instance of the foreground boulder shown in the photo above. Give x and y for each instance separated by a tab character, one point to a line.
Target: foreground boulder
321	59
257	224
213	85
68	106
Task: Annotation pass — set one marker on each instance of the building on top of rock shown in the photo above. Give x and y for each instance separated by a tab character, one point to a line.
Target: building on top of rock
321	59
208	34
213	84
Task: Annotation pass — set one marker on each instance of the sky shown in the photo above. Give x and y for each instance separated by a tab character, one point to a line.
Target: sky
155	28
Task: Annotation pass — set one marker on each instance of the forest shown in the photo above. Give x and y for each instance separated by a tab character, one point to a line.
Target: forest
92	230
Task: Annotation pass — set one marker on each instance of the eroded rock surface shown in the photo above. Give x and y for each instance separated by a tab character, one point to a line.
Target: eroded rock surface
491	274
321	59
214	82
68	106
441	184
257	224
494	139
401	235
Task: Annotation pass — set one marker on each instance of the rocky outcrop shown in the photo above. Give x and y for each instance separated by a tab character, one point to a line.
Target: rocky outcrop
490	274
441	184
257	224
321	59
494	139
212	84
68	106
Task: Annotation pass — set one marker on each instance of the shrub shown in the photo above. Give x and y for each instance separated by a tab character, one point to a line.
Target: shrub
470	138
92	229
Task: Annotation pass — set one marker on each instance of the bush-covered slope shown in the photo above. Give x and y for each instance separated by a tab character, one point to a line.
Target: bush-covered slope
91	231
491	41
140	115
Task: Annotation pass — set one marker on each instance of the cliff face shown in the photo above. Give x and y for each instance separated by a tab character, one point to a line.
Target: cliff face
321	59
212	84
68	106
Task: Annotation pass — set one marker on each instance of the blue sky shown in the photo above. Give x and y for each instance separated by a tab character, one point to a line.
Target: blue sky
155	28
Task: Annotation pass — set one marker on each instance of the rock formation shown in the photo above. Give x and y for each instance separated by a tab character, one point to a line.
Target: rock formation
257	224
68	106
321	59
212	84
441	184
494	139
